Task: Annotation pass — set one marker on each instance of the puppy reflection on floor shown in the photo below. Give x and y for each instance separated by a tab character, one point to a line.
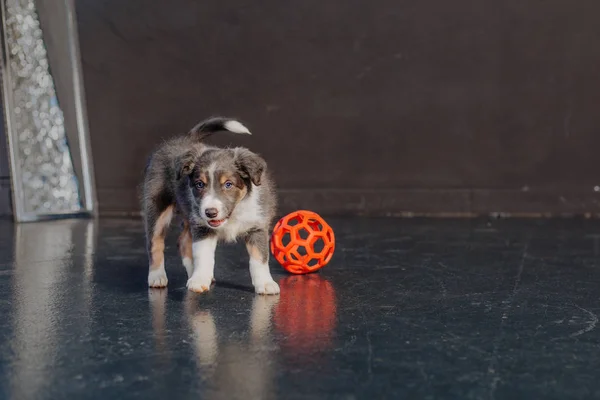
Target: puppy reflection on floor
239	365
158	305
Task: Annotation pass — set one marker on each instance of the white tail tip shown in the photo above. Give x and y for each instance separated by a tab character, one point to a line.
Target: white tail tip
236	127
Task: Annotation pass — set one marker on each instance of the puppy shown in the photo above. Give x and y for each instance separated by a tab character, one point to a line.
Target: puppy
221	194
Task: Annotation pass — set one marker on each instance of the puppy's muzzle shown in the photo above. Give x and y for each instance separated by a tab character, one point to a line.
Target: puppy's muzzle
211	212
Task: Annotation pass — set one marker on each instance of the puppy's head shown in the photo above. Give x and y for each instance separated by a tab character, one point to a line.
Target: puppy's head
219	179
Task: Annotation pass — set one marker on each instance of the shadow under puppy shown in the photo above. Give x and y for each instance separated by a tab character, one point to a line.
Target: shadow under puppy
221	194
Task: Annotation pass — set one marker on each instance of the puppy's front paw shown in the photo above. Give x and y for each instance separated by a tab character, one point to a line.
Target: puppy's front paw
267	287
199	284
157	278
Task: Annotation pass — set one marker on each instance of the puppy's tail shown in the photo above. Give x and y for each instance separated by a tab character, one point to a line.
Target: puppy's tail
216	124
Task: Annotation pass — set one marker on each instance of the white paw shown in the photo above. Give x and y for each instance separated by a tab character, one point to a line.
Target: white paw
157	278
267	287
199	284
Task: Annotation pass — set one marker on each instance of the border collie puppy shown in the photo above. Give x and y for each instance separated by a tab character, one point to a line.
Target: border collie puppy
220	194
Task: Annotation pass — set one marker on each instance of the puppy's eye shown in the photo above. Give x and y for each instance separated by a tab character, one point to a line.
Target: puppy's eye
228	185
199	185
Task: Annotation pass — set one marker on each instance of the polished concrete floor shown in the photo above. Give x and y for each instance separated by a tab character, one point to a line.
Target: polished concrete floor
424	309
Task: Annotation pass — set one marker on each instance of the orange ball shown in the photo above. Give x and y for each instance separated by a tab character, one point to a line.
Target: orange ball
302	242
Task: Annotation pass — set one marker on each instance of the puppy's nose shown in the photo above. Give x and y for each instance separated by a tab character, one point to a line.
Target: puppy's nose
211	212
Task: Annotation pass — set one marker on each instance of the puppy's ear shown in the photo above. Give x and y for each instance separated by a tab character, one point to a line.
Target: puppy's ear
184	165
250	165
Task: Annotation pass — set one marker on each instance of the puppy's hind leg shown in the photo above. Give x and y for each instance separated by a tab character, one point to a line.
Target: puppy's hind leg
257	243
185	249
156	230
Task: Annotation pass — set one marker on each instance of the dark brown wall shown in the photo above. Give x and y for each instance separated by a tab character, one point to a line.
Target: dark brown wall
365	107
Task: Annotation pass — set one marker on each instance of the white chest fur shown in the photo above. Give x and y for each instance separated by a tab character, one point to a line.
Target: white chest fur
247	215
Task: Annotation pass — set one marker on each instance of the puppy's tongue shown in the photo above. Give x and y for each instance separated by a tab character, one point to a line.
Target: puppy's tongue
215	222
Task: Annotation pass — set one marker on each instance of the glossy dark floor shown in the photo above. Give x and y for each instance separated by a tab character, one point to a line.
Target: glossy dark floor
406	309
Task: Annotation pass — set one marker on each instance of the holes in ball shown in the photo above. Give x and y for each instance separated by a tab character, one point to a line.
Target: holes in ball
312	262
330	236
318	245
294	221
301	250
303	233
286	239
315	225
328	254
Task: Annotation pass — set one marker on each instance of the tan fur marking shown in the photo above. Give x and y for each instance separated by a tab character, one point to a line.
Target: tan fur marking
203	177
242	193
242	190
254	252
185	242
226	177
201	290
158	238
